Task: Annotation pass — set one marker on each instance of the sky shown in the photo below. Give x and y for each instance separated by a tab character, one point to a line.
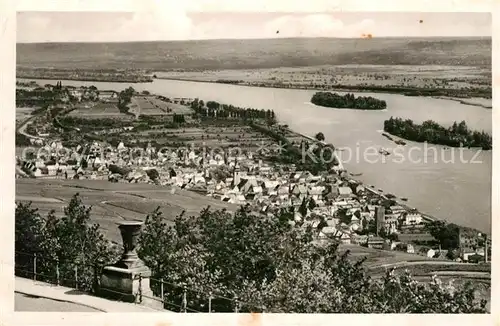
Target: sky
178	23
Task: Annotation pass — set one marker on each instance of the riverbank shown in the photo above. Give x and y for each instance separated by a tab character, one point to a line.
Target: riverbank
458	135
449	191
89	79
92	75
450	94
481	102
398	200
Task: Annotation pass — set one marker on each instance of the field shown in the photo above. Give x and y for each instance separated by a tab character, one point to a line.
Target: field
421	268
23	113
354	76
237	135
150	105
113	202
375	257
98	111
253	54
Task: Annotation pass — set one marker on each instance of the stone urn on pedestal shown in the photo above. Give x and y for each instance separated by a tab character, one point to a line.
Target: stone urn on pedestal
123	279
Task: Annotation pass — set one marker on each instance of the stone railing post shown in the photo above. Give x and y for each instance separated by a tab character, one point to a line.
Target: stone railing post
129	278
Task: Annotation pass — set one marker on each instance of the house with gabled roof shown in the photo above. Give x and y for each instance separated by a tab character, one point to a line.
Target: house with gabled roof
246	184
283	192
320	203
274	199
343	237
270	186
296	175
327	232
359	190
299	190
316	192
345	192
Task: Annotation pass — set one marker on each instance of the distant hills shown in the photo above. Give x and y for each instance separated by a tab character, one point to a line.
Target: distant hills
248	54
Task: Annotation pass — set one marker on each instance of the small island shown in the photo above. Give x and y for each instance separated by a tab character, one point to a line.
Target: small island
429	131
347	101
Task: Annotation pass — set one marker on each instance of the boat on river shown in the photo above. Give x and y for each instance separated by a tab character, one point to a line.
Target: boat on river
404	199
400	142
387	136
384	152
355	174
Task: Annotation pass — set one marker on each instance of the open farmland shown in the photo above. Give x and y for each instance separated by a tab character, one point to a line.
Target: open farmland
450	77
150	105
113	202
141	105
22	114
220	136
376	257
171	108
98	111
422	268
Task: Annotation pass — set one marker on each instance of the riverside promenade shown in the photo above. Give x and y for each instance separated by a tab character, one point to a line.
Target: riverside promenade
426	217
39	296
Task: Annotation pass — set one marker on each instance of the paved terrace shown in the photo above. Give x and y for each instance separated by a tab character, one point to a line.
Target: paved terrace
39	296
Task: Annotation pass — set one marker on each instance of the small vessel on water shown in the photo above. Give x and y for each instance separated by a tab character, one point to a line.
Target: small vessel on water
387	136
400	142
404	199
355	174
384	152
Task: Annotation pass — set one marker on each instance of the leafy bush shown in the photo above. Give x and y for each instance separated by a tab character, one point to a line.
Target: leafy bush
267	262
153	174
320	136
61	243
348	100
273	266
432	132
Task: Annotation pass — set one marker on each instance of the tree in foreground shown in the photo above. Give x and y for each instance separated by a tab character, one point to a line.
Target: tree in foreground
274	266
64	243
267	262
320	136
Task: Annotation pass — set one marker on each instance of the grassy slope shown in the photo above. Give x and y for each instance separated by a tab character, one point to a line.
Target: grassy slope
269	53
113	202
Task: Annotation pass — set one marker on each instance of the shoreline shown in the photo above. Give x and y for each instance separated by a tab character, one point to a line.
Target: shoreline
397	199
465	102
90	79
445	146
346	89
367	187
404	205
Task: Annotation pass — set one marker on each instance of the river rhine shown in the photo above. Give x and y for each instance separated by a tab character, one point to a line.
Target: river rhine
443	183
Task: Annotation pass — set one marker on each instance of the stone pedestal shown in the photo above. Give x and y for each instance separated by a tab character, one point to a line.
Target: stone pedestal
122	281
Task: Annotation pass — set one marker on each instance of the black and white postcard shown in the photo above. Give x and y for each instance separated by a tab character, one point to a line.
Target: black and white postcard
242	163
